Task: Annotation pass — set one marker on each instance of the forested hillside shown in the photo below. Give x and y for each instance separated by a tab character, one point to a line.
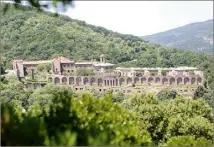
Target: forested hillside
194	37
29	34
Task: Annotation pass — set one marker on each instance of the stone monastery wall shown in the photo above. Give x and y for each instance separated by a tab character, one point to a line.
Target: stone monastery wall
182	79
182	84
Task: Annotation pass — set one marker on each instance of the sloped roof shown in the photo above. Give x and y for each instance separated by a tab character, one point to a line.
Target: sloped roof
103	64
64	60
37	62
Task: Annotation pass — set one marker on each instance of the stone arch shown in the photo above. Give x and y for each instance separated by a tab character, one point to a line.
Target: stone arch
186	80
78	81
136	80
172	81
193	80
57	80
157	80
71	80
179	81
129	81
143	80
116	82
64	80
122	81
164	81
107	83
92	81
150	79
85	81
199	80
50	79
100	82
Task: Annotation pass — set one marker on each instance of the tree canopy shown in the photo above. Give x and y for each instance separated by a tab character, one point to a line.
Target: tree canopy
55	115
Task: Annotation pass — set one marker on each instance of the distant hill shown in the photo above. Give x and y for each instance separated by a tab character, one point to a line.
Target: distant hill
29	34
194	37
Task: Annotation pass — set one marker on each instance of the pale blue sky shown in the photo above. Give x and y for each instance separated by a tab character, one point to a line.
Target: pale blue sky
140	17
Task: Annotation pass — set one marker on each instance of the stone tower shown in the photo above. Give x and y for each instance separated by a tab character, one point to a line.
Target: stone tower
102	58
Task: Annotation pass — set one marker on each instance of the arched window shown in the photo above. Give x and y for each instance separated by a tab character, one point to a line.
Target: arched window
71	80
122	81
179	81
193	80
157	80
172	81
64	80
78	81
143	80
164	81
199	80
100	82
136	80
92	81
56	80
129	81
186	80
85	81
150	80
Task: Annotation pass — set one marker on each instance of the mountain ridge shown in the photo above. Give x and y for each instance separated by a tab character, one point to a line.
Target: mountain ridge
197	36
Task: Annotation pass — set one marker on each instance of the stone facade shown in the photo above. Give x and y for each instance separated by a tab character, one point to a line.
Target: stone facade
61	65
182	84
182	79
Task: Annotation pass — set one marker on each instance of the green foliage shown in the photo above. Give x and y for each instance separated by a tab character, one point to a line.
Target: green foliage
3	62
188	141
199	92
44	97
204	93
84	72
82	119
163	72
3	80
166	94
19	130
73	121
118	98
43	67
174	117
13	92
37	4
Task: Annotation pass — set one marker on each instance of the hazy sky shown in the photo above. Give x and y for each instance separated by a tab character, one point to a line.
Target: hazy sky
141	17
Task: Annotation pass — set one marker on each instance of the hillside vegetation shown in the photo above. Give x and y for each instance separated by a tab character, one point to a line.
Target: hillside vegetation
194	37
29	34
57	116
